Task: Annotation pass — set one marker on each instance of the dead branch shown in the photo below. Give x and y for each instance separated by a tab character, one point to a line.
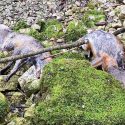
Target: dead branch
117	32
58	47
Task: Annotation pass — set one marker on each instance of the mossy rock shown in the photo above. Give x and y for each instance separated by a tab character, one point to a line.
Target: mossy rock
3	107
53	29
78	94
74	30
92	16
10	85
19	121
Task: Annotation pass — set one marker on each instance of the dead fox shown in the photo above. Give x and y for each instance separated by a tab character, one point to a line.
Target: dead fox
23	44
105	48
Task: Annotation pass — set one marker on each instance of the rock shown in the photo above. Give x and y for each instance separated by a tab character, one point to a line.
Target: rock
54	15
30	111
68	13
60	18
19	121
10	85
16	98
29	82
35	27
60	41
78	3
124	23
25	31
122	12
111	13
77	90
117	25
3	107
52	39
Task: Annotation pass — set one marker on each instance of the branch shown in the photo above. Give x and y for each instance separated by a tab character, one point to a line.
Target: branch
58	47
117	32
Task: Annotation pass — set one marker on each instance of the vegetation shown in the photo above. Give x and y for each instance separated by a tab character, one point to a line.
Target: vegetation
75	30
79	94
3	107
52	28
20	25
92	16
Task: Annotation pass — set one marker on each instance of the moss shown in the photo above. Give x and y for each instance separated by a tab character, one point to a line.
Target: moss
70	55
92	16
20	25
75	29
37	35
53	28
3	107
78	94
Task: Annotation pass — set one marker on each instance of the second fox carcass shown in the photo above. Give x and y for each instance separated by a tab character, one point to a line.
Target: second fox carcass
106	49
107	52
22	44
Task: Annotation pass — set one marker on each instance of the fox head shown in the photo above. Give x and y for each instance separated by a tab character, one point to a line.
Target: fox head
4	27
4	31
8	44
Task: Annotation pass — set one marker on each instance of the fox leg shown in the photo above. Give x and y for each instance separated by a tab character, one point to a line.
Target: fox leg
97	62
19	63
2	71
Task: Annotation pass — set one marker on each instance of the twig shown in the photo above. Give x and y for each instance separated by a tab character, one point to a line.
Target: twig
117	32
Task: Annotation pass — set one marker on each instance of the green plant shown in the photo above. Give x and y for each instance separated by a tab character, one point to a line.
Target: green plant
20	25
92	16
75	29
3	107
37	35
53	28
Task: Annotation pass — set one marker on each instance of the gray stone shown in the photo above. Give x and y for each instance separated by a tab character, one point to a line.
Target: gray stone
29	82
35	26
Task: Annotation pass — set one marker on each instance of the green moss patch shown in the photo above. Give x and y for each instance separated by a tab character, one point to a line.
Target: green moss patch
75	30
78	94
20	25
3	107
92	16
